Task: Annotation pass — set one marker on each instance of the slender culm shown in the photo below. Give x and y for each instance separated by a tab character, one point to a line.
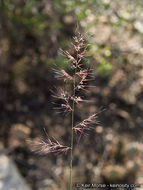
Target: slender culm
72	132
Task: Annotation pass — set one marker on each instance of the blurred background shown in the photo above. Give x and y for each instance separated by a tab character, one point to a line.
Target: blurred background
31	34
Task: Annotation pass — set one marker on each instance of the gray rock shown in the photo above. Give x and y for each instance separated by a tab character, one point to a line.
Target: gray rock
10	179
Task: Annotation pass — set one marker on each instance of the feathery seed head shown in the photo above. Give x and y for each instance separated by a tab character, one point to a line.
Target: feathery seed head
86	124
44	147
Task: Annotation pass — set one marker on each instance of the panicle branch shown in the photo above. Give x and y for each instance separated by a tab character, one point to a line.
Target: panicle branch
77	99
70	57
44	147
63	95
80	51
62	74
83	73
67	108
66	75
86	124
